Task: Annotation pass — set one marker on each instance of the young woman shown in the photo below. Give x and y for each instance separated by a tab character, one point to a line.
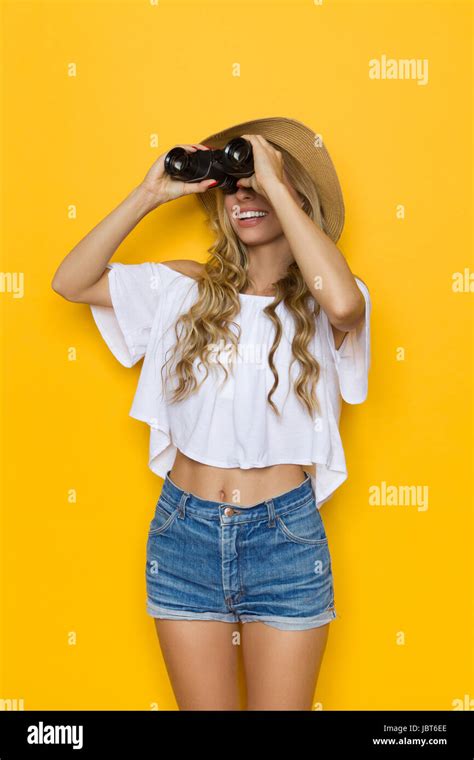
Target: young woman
246	360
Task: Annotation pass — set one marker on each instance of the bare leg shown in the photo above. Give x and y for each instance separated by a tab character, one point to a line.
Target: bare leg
202	662
282	667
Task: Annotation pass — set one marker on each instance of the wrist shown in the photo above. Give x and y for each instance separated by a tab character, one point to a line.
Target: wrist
276	190
144	199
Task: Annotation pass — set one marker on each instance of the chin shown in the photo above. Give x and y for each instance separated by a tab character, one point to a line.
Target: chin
252	240
255	236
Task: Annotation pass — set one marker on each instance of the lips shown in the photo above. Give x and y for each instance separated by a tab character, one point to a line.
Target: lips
252	221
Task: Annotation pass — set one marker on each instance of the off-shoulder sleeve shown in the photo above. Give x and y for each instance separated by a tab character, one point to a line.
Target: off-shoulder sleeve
352	358
125	326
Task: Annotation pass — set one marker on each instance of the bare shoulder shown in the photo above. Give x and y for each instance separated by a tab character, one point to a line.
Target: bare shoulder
187	267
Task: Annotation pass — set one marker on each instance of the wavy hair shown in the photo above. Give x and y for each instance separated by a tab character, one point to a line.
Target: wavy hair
207	325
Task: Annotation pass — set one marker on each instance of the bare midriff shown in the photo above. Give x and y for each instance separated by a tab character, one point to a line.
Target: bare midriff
233	485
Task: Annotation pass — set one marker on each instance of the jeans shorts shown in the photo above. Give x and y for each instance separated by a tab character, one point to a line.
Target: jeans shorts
269	562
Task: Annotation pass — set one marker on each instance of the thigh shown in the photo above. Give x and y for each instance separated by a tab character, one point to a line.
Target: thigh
282	667
201	657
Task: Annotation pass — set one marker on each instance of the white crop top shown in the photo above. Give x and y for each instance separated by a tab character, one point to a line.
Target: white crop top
233	426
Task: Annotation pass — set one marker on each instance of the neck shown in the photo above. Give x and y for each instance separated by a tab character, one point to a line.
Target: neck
268	263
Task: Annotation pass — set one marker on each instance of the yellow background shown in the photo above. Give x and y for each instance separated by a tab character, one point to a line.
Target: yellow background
77	567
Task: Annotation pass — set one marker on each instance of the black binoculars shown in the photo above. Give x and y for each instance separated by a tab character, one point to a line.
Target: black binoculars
225	165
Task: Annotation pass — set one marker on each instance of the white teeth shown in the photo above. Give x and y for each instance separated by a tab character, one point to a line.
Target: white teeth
252	214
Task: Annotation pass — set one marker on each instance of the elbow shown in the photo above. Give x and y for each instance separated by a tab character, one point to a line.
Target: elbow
61	291
57	287
349	315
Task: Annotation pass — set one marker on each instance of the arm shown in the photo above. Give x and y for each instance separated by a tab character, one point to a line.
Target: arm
317	256
80	276
314	252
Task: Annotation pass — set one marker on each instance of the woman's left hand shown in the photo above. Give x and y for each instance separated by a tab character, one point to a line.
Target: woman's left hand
268	166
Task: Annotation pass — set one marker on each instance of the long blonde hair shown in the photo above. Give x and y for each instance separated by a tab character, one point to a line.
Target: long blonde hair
208	322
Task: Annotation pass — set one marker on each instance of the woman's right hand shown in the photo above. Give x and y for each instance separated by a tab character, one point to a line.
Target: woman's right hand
162	187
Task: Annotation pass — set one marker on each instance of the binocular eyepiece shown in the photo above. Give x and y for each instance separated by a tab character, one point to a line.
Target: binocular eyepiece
225	165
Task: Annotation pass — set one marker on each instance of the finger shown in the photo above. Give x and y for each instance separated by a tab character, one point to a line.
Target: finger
244	182
186	147
199	187
192	146
261	140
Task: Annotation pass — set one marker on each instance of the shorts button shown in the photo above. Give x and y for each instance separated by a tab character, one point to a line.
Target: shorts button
228	511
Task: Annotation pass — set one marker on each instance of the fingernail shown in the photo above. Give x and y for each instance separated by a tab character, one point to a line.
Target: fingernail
213	183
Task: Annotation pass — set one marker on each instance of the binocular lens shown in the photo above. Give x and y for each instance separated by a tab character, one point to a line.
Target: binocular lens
176	161
238	152
179	163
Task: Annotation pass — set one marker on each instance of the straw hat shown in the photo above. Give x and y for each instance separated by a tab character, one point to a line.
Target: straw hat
298	140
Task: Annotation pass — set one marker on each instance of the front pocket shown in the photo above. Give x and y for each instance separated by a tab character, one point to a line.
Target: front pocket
162	519
303	525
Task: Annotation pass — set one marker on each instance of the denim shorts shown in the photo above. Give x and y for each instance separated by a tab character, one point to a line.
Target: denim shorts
269	562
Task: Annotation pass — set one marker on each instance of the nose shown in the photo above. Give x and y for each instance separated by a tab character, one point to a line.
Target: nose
244	192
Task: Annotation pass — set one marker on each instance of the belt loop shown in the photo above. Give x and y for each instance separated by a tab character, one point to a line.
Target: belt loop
182	504
271	512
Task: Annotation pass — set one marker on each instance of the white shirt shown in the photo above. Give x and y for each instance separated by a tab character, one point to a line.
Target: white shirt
231	424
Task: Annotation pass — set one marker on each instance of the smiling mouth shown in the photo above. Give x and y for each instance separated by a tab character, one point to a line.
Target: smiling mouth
251	218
